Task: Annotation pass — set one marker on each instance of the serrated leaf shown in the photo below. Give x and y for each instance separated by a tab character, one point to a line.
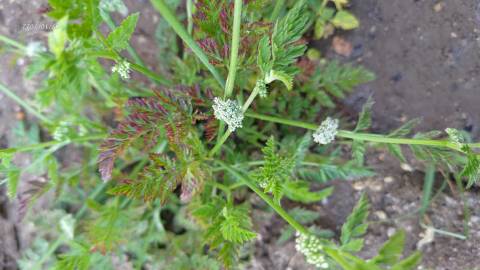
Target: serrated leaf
405	129
13	177
345	20
392	250
302	148
358	152
118	38
58	37
409	263
354	245
472	169
355	225
299	191
285	78
365	118
396	150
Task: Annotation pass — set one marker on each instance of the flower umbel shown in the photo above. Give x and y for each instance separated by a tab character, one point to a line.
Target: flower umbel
311	247
326	132
123	69
228	111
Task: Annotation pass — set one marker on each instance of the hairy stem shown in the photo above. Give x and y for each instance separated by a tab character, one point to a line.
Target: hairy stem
4	89
280	211
172	20
362	136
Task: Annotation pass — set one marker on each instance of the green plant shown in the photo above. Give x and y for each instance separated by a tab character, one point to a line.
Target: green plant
179	174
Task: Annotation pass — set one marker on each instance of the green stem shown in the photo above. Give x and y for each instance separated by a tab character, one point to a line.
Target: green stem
280	211
232	70
12	42
52	143
362	136
24	104
172	20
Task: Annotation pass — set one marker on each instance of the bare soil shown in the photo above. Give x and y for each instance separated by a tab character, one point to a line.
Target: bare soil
425	55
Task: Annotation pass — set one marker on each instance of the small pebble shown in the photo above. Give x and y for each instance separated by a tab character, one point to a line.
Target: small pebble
381	215
388	179
438	6
406	167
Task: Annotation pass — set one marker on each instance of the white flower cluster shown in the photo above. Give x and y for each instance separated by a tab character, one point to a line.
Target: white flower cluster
34	48
455	136
228	111
326	132
311	247
62	131
122	68
261	87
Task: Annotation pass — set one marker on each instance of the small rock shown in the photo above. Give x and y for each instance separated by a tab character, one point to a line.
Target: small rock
342	46
388	179
438	6
406	167
381	215
359	185
453	35
391	231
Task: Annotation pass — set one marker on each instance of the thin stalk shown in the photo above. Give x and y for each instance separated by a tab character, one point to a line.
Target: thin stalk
12	42
141	69
362	136
172	20
52	143
111	24
232	70
4	89
280	211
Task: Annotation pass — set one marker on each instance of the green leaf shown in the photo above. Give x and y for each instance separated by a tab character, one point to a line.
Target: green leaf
299	191
345	20
319	29
409	263
358	152
365	118
58	37
396	150
355	225
13	177
354	245
392	250
118	38
285	78
472	168
427	187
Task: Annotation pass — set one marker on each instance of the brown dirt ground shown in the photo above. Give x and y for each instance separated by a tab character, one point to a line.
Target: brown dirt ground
427	66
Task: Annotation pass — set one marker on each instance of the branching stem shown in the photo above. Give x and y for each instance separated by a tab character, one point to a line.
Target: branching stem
362	136
280	211
172	20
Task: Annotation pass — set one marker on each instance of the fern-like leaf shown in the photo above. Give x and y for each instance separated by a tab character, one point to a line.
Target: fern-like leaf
355	226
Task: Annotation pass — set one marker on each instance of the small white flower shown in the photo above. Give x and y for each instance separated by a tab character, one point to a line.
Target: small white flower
33	48
311	247
455	136
122	68
326	132
261	87
62	131
228	111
